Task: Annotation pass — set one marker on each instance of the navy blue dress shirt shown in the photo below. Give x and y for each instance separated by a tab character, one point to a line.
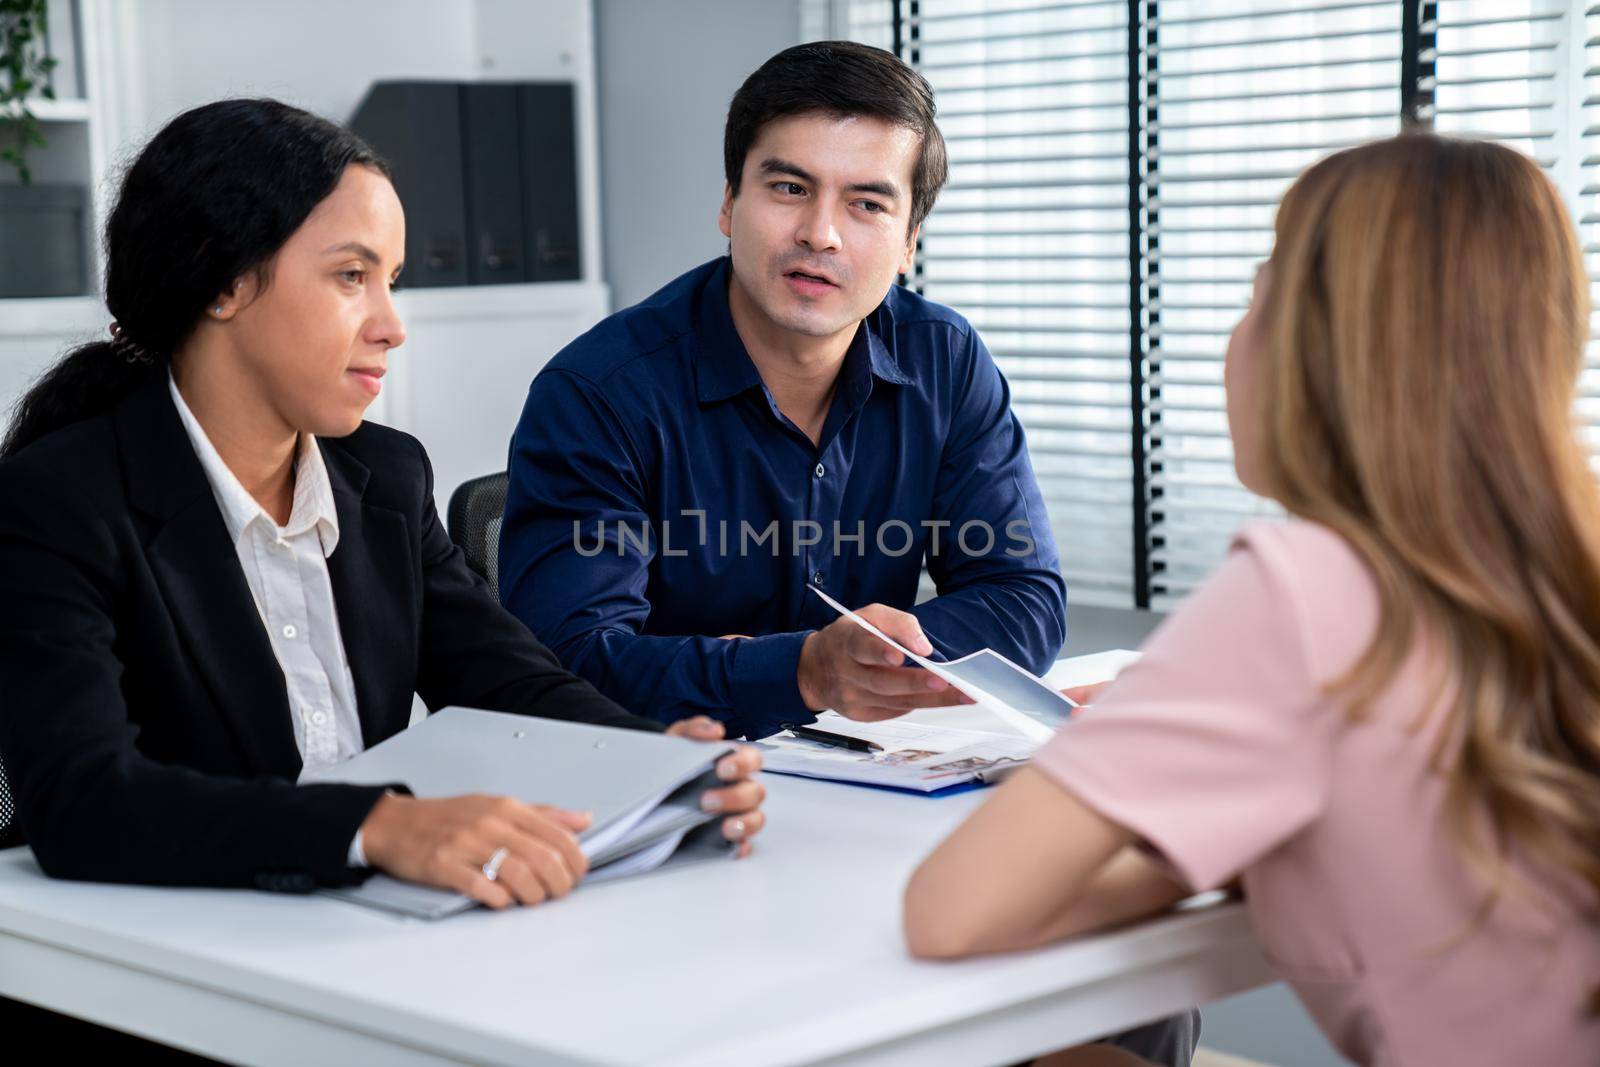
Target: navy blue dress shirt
659	500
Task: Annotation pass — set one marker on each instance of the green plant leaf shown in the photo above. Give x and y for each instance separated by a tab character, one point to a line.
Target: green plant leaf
25	65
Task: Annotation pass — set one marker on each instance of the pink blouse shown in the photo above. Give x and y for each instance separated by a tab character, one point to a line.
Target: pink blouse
1221	749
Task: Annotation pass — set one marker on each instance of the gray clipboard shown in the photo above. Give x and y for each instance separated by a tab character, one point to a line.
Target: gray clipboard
619	776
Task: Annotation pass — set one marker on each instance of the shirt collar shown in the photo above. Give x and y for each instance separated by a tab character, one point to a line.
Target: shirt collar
313	506
723	367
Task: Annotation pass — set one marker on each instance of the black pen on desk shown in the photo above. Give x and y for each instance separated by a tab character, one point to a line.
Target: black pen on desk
823	737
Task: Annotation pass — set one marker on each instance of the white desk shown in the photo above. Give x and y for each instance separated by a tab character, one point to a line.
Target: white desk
792	956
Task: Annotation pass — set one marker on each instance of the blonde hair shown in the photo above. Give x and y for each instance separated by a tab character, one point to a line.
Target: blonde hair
1425	328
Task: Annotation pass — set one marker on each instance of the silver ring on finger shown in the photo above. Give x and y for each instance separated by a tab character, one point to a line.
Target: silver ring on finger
491	870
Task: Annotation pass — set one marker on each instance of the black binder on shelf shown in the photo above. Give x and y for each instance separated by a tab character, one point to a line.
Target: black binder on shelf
488	174
494	182
550	181
416	126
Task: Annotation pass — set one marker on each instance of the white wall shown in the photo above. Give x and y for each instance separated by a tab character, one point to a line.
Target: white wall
322	54
316	54
666	74
33	335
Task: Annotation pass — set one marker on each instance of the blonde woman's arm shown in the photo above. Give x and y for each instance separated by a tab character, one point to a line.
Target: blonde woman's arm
1209	752
1031	866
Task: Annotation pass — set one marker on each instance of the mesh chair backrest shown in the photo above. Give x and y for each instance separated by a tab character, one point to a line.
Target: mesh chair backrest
10	831
475	514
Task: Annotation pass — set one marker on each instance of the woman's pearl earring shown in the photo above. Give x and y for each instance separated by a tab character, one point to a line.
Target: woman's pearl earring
217	310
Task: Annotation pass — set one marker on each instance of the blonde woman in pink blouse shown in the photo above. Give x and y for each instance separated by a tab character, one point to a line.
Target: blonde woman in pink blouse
1382	716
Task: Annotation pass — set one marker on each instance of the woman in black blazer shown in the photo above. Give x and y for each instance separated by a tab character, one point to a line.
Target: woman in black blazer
145	720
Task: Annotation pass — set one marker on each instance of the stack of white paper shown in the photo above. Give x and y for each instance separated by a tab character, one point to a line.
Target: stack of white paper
919	757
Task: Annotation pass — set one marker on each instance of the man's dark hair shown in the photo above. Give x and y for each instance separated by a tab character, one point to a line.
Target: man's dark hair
846	79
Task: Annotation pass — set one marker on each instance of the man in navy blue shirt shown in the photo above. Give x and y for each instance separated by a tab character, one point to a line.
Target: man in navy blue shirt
786	415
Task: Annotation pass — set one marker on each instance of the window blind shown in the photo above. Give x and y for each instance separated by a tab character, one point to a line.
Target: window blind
1030	242
1108	208
1523	73
1244	96
1030	239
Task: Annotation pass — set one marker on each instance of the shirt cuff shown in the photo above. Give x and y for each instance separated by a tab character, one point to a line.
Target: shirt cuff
356	857
766	689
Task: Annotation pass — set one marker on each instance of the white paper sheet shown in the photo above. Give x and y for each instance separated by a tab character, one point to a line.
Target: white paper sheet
1090	669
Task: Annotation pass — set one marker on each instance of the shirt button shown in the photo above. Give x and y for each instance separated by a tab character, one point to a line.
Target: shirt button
319	718
816	579
290	632
821	470
277	548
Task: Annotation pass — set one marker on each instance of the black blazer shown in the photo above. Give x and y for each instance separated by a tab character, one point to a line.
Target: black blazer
144	722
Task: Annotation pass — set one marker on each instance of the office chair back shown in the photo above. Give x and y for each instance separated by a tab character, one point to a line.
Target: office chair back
10	831
476	511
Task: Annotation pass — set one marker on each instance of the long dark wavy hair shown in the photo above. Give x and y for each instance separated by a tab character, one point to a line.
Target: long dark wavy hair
210	199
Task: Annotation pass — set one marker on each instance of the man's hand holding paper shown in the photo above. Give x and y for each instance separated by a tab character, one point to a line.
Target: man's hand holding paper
852	671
